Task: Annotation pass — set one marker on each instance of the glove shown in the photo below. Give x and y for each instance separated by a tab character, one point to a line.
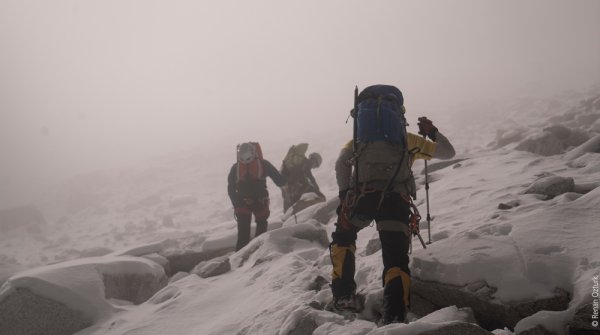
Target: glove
426	128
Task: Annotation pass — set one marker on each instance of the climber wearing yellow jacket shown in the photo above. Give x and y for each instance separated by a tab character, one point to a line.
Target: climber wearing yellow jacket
387	202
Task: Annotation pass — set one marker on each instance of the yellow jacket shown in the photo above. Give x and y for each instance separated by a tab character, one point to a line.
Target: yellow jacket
421	148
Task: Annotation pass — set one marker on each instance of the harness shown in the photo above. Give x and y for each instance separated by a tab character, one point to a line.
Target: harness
355	194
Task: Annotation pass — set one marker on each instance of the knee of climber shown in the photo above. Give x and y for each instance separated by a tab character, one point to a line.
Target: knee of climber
395	274
343	237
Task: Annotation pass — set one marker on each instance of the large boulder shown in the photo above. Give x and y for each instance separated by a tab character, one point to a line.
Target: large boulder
66	297
553	140
23	312
582	322
551	186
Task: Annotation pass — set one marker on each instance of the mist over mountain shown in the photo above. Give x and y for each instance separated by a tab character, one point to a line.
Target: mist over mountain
514	217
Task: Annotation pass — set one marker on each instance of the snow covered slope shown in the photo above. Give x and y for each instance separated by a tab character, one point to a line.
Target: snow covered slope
498	220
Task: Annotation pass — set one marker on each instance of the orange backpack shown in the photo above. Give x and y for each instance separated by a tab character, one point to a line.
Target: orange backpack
249	158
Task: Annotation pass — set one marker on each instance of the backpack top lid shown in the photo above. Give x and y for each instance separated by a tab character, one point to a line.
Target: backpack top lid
249	151
380	115
387	92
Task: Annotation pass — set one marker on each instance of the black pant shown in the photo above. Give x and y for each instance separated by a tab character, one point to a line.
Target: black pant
394	212
243	225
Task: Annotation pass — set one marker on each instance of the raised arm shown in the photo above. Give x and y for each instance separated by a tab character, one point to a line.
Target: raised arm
272	173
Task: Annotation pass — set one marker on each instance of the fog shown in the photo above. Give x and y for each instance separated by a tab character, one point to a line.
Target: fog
88	85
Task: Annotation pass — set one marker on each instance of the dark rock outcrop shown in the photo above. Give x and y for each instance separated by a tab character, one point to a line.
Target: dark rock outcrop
489	314
23	312
136	288
582	321
186	261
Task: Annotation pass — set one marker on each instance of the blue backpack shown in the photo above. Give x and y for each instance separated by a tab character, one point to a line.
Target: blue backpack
380	115
381	156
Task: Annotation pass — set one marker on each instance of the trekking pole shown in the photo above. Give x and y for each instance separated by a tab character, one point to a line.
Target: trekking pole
427	198
354	135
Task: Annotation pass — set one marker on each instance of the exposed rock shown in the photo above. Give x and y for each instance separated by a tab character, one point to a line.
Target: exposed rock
538	330
551	186
65	298
214	267
23	312
458	328
489	314
419	305
136	288
504	206
373	246
187	260
582	321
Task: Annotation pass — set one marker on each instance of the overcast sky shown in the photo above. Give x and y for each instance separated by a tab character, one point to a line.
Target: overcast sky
94	84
